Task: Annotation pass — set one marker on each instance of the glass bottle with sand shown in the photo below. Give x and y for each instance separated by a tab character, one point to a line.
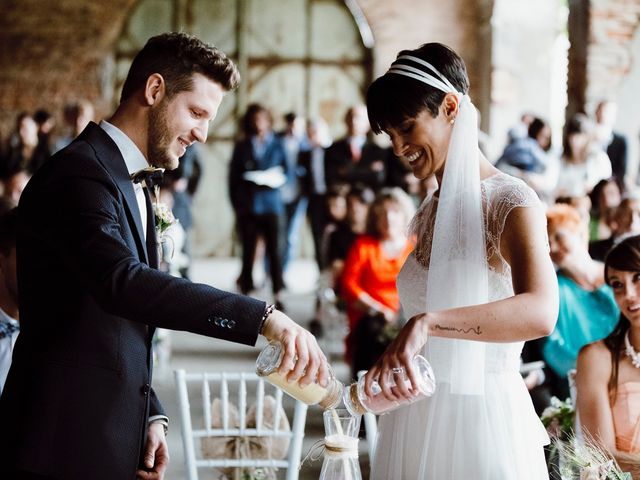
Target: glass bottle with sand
267	366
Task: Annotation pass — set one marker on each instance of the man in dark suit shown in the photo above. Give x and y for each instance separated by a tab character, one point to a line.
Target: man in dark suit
612	142
355	158
78	401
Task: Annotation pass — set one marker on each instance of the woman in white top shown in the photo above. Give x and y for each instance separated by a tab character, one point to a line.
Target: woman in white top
478	284
583	163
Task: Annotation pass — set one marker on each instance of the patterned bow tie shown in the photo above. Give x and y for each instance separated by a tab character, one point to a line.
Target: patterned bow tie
149	177
8	328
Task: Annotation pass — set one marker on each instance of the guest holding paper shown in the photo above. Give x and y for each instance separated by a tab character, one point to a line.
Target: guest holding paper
258	169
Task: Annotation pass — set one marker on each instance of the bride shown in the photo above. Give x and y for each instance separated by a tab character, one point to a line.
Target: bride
479	283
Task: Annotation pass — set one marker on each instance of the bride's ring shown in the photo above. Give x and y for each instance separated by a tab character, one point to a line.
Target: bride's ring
397	369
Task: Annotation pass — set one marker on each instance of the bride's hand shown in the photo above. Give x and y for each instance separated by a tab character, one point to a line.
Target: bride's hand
400	354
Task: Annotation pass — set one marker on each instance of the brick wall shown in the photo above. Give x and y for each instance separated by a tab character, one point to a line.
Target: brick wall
609	58
55	52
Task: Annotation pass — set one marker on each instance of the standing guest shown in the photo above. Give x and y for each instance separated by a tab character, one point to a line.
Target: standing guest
369	278
257	171
608	374
183	183
77	116
313	182
480	271
583	163
46	123
587	309
355	158
295	201
9	316
78	401
613	143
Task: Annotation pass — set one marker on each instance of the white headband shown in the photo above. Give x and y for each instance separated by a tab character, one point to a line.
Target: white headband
440	82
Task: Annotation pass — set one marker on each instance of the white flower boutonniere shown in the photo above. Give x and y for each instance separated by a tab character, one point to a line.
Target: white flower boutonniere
164	218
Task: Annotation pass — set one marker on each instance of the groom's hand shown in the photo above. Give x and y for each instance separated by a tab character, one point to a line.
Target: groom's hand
156	454
303	360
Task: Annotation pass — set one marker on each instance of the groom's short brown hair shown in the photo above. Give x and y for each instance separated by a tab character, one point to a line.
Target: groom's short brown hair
177	56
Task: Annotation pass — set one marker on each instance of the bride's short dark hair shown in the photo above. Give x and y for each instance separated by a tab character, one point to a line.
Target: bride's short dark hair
392	98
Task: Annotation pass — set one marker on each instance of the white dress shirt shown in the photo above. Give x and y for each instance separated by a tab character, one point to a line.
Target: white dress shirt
134	159
6	348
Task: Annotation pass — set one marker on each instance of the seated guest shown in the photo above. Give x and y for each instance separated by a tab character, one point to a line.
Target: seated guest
24	150
9	326
369	278
341	239
625	220
608	375
588	311
605	198
14	183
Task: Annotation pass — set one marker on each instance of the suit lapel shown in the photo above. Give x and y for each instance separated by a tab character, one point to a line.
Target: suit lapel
110	157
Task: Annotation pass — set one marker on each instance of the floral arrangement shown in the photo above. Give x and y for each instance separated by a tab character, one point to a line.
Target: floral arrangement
559	418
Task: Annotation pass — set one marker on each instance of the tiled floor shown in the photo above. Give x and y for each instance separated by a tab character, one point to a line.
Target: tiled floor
199	354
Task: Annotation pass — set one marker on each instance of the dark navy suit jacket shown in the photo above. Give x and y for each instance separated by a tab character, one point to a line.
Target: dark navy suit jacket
78	395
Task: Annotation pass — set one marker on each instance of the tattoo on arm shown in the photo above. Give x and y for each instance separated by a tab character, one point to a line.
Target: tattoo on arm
475	330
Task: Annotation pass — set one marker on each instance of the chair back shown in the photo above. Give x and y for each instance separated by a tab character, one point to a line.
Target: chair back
232	390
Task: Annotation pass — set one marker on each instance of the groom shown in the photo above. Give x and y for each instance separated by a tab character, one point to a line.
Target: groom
78	402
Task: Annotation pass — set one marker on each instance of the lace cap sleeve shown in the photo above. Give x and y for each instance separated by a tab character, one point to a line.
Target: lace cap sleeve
503	195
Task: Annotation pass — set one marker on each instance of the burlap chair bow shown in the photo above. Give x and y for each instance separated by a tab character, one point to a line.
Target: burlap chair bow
247	447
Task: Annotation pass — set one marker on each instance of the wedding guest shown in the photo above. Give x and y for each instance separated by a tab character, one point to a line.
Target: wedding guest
183	183
77	116
528	158
24	151
624	220
358	199
605	198
313	182
46	123
14	184
587	309
608	374
369	278
583	163
258	203
9	315
293	195
78	401
354	158
612	142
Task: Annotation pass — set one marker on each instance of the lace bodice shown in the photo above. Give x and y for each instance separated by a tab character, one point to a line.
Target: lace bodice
501	193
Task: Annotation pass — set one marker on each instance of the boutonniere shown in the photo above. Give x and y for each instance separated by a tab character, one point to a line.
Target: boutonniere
163	216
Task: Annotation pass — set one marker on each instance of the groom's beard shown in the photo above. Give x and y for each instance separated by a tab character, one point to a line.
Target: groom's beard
159	140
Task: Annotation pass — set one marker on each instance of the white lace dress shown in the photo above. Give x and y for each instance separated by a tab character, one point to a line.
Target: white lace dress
496	436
